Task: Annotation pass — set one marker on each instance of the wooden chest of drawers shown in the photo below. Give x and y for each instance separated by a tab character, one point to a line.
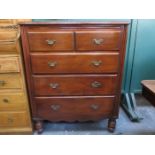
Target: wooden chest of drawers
14	106
74	70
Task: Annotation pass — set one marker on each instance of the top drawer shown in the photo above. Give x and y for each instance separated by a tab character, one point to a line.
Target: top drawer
105	39
9	39
51	41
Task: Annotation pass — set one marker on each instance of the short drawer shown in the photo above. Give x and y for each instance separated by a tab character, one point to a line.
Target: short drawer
106	39
74	108
51	41
12	101
9	48
8	41
75	63
14	119
75	85
10	81
9	64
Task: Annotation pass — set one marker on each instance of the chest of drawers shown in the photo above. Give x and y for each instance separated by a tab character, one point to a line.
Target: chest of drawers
74	70
14	107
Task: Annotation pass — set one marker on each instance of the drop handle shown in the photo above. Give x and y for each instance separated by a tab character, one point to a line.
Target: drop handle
52	63
55	107
94	106
98	41
96	63
51	42
54	85
2	82
96	84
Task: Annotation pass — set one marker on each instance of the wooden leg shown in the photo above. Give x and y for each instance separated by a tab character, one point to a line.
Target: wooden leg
111	124
39	126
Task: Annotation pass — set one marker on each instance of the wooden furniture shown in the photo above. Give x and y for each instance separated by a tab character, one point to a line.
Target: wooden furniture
148	90
74	70
14	107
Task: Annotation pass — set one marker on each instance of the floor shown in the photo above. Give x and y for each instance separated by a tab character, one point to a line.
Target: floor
124	125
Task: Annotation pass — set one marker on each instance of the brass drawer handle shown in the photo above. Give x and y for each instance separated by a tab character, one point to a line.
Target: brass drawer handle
96	84
2	82
94	106
5	100
55	107
96	63
54	85
98	41
52	63
51	42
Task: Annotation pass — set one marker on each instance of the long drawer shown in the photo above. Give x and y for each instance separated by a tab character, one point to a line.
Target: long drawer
12	101
14	119
75	63
10	81
9	64
75	85
74	108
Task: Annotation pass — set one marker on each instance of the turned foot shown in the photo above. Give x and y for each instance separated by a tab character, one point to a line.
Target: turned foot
111	125
39	126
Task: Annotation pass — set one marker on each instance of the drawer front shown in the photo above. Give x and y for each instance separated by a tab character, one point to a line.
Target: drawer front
75	85
74	108
8	34
7	41
14	119
9	64
10	81
51	41
75	63
108	39
12	101
9	48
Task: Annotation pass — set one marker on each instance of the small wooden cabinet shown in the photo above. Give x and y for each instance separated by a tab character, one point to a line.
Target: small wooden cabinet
74	70
14	105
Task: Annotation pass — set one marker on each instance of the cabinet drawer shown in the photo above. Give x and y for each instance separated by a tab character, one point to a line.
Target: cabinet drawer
75	63
12	101
9	64
51	41
14	119
75	85
9	48
107	39
10	81
8	41
74	108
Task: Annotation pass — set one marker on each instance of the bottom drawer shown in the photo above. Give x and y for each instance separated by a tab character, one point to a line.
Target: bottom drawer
14	119
74	108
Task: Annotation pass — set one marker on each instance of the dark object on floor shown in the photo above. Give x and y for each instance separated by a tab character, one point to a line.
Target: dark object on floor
148	90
